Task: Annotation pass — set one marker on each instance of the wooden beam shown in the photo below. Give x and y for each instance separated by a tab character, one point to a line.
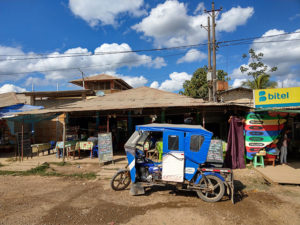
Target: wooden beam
64	138
107	124
203	119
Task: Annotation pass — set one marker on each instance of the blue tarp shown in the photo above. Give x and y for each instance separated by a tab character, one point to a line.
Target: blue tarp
33	118
10	111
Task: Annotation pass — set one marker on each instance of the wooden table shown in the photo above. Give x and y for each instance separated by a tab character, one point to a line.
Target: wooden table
60	145
41	148
85	146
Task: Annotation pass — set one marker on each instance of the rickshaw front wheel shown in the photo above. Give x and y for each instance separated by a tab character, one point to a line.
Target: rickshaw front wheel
120	180
215	190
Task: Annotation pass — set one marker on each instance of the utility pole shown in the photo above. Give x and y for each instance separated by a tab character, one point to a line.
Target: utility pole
213	15
82	75
209	80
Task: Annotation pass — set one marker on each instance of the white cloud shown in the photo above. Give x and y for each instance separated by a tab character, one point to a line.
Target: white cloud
158	62
105	12
154	84
89	64
192	55
170	25
36	81
233	18
238	83
200	8
11	88
285	55
174	83
134	81
294	17
288	82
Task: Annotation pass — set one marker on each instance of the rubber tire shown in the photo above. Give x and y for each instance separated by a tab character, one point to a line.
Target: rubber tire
126	172
219	196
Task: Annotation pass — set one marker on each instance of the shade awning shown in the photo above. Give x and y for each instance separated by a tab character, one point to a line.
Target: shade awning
277	110
10	111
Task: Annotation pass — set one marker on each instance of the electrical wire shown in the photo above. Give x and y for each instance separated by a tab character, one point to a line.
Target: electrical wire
102	53
221	44
46	56
94	66
256	42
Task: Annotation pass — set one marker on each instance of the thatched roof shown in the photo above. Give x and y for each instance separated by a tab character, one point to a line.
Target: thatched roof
143	97
8	99
137	98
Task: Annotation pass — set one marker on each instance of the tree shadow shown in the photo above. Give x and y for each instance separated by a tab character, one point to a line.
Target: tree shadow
239	194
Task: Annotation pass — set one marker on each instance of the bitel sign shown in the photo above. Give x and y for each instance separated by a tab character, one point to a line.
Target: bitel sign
277	97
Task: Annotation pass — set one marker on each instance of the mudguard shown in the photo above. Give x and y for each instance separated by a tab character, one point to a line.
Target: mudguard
131	166
209	173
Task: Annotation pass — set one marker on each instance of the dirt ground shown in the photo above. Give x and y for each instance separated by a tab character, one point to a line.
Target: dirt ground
68	200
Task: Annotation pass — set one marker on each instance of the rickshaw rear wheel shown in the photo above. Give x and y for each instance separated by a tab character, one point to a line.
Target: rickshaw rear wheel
120	180
215	186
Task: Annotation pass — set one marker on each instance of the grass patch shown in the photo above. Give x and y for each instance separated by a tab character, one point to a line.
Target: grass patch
89	176
43	170
60	163
256	184
111	168
1	165
12	159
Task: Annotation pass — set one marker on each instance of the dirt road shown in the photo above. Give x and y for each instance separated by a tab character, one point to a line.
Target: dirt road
64	200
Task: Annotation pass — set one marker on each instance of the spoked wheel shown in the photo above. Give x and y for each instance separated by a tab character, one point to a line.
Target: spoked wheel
215	190
120	180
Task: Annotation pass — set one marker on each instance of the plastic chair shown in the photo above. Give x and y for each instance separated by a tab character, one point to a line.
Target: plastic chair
159	147
259	162
95	151
52	145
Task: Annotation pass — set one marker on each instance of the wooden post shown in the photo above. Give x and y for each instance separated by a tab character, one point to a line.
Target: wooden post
64	138
107	124
203	119
129	121
163	116
197	118
97	121
22	141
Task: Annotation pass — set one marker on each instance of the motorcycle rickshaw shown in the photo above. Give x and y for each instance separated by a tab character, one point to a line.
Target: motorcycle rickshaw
181	152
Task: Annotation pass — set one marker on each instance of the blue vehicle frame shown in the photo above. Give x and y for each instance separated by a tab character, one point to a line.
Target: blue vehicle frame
185	149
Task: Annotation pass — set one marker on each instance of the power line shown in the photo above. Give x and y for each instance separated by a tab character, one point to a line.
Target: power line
132	61
46	56
103	53
252	38
94	66
223	44
256	42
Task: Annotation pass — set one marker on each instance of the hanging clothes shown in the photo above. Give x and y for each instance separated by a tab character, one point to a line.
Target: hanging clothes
235	145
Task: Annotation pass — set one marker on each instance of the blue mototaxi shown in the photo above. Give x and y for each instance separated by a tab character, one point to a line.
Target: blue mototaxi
181	161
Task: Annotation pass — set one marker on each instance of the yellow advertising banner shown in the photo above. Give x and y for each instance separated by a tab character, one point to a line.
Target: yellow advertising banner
276	97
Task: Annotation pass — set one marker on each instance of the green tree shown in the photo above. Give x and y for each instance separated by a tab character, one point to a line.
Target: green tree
197	87
258	71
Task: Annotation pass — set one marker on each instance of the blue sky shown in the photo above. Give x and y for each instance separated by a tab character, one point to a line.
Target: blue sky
41	35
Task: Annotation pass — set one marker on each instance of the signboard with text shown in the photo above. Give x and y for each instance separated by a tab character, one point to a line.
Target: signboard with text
105	149
215	151
276	97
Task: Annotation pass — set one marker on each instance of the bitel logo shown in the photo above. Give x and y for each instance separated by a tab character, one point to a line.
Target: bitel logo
262	96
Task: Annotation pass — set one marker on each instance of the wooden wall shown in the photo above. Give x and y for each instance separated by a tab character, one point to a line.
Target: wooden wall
49	130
